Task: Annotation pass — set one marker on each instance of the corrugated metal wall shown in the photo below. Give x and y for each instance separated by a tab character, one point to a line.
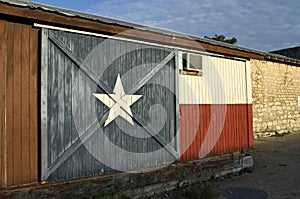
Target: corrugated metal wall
224	81
216	108
18	104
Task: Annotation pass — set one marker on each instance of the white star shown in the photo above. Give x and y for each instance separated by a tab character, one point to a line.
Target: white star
119	103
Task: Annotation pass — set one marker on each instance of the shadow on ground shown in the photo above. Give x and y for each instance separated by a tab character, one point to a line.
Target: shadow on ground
245	193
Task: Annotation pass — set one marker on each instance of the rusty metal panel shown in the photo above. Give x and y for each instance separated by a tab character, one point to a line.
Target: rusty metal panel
19	104
107	105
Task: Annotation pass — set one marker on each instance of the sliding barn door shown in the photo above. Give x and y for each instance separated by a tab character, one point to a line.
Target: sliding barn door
107	105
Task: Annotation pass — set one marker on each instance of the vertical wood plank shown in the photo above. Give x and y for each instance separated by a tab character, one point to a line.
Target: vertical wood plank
60	102
9	106
33	104
25	111
17	103
75	110
79	160
44	104
52	133
68	103
89	117
3	57
68	111
83	165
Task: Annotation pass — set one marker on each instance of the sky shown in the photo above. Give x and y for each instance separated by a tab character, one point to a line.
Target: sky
257	24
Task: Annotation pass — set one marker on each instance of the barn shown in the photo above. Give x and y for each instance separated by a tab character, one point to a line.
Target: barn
84	95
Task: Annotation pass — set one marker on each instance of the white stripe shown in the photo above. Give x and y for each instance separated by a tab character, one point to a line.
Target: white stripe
224	81
249	82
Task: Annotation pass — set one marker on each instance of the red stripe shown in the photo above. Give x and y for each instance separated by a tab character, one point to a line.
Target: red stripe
250	127
229	126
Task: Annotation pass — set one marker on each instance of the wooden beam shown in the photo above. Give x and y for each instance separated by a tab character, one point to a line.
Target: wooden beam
9	131
34	94
25	103
44	102
17	104
58	19
3	62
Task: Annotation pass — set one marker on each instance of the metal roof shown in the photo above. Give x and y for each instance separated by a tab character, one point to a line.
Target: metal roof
290	48
71	13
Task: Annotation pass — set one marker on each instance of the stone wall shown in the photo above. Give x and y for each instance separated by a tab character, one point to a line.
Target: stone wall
275	91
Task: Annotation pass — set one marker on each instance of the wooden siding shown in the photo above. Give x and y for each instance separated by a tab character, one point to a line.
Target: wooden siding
197	121
75	143
2	101
19	104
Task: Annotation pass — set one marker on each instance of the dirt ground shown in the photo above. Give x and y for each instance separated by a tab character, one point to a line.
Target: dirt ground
276	168
276	173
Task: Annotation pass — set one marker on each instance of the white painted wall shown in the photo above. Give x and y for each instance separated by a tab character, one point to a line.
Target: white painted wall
224	81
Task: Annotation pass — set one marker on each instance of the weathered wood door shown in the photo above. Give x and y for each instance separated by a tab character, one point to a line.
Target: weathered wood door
107	105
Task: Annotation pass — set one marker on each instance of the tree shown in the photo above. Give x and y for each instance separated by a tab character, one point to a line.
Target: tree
222	38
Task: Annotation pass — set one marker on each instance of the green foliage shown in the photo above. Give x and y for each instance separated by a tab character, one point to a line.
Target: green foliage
222	38
202	192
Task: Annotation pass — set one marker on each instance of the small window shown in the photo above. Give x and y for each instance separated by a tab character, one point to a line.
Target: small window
192	63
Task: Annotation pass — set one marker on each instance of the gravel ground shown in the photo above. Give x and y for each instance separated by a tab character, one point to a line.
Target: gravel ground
276	173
